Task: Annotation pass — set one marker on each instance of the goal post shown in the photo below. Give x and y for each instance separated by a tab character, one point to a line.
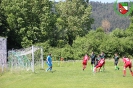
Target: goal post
3	54
33	68
42	58
26	58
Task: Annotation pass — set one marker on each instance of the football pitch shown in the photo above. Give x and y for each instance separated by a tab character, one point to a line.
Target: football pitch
68	75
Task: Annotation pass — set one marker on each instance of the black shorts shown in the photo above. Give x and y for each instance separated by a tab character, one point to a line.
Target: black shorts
116	62
92	62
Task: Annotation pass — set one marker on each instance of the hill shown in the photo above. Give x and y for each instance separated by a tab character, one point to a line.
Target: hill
102	11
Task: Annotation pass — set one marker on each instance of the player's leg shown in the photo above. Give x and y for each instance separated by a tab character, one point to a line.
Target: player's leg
95	69
92	65
115	65
117	68
103	67
84	66
99	69
124	70
96	63
49	67
131	70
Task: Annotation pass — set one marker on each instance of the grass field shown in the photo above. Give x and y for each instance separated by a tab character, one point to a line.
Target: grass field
68	75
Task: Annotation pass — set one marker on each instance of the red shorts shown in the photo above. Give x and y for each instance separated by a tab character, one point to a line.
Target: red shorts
99	65
84	63
128	65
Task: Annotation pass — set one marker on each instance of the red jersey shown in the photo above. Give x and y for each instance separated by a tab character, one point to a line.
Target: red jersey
126	61
86	58
102	61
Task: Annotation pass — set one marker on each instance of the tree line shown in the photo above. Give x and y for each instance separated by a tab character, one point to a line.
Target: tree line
105	11
63	29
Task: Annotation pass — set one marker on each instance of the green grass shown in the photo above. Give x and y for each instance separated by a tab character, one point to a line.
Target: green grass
68	75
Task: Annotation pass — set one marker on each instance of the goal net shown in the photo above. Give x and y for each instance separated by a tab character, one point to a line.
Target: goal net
30	58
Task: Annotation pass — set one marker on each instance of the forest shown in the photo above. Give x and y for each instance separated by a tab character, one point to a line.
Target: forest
66	29
105	11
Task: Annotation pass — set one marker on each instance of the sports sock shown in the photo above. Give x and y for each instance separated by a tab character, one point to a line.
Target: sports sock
124	72
84	67
95	70
92	67
47	69
115	67
131	73
50	68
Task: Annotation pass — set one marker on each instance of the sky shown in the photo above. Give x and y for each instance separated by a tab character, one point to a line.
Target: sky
109	1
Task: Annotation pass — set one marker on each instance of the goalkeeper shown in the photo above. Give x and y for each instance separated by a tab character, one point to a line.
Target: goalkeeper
49	62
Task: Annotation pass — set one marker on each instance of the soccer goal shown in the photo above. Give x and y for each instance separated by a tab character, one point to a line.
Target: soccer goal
3	54
26	58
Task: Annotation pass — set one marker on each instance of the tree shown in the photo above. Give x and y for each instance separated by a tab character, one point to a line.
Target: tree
119	33
75	17
106	25
3	22
30	21
101	11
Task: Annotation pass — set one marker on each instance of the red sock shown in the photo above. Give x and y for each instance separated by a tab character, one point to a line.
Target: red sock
131	73
84	67
95	69
124	72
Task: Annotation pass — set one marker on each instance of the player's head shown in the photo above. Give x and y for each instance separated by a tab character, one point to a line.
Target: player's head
102	52
86	54
125	56
98	55
116	54
49	54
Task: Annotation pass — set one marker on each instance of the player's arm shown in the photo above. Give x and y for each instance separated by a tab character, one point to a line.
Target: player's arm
131	62
118	60
47	59
123	62
103	67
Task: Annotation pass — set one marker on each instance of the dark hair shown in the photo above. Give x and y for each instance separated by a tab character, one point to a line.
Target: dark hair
124	56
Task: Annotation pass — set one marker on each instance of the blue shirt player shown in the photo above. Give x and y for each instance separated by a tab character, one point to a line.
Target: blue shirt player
49	62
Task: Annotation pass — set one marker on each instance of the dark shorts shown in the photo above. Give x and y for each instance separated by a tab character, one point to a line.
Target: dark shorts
92	62
84	63
116	62
128	65
99	65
